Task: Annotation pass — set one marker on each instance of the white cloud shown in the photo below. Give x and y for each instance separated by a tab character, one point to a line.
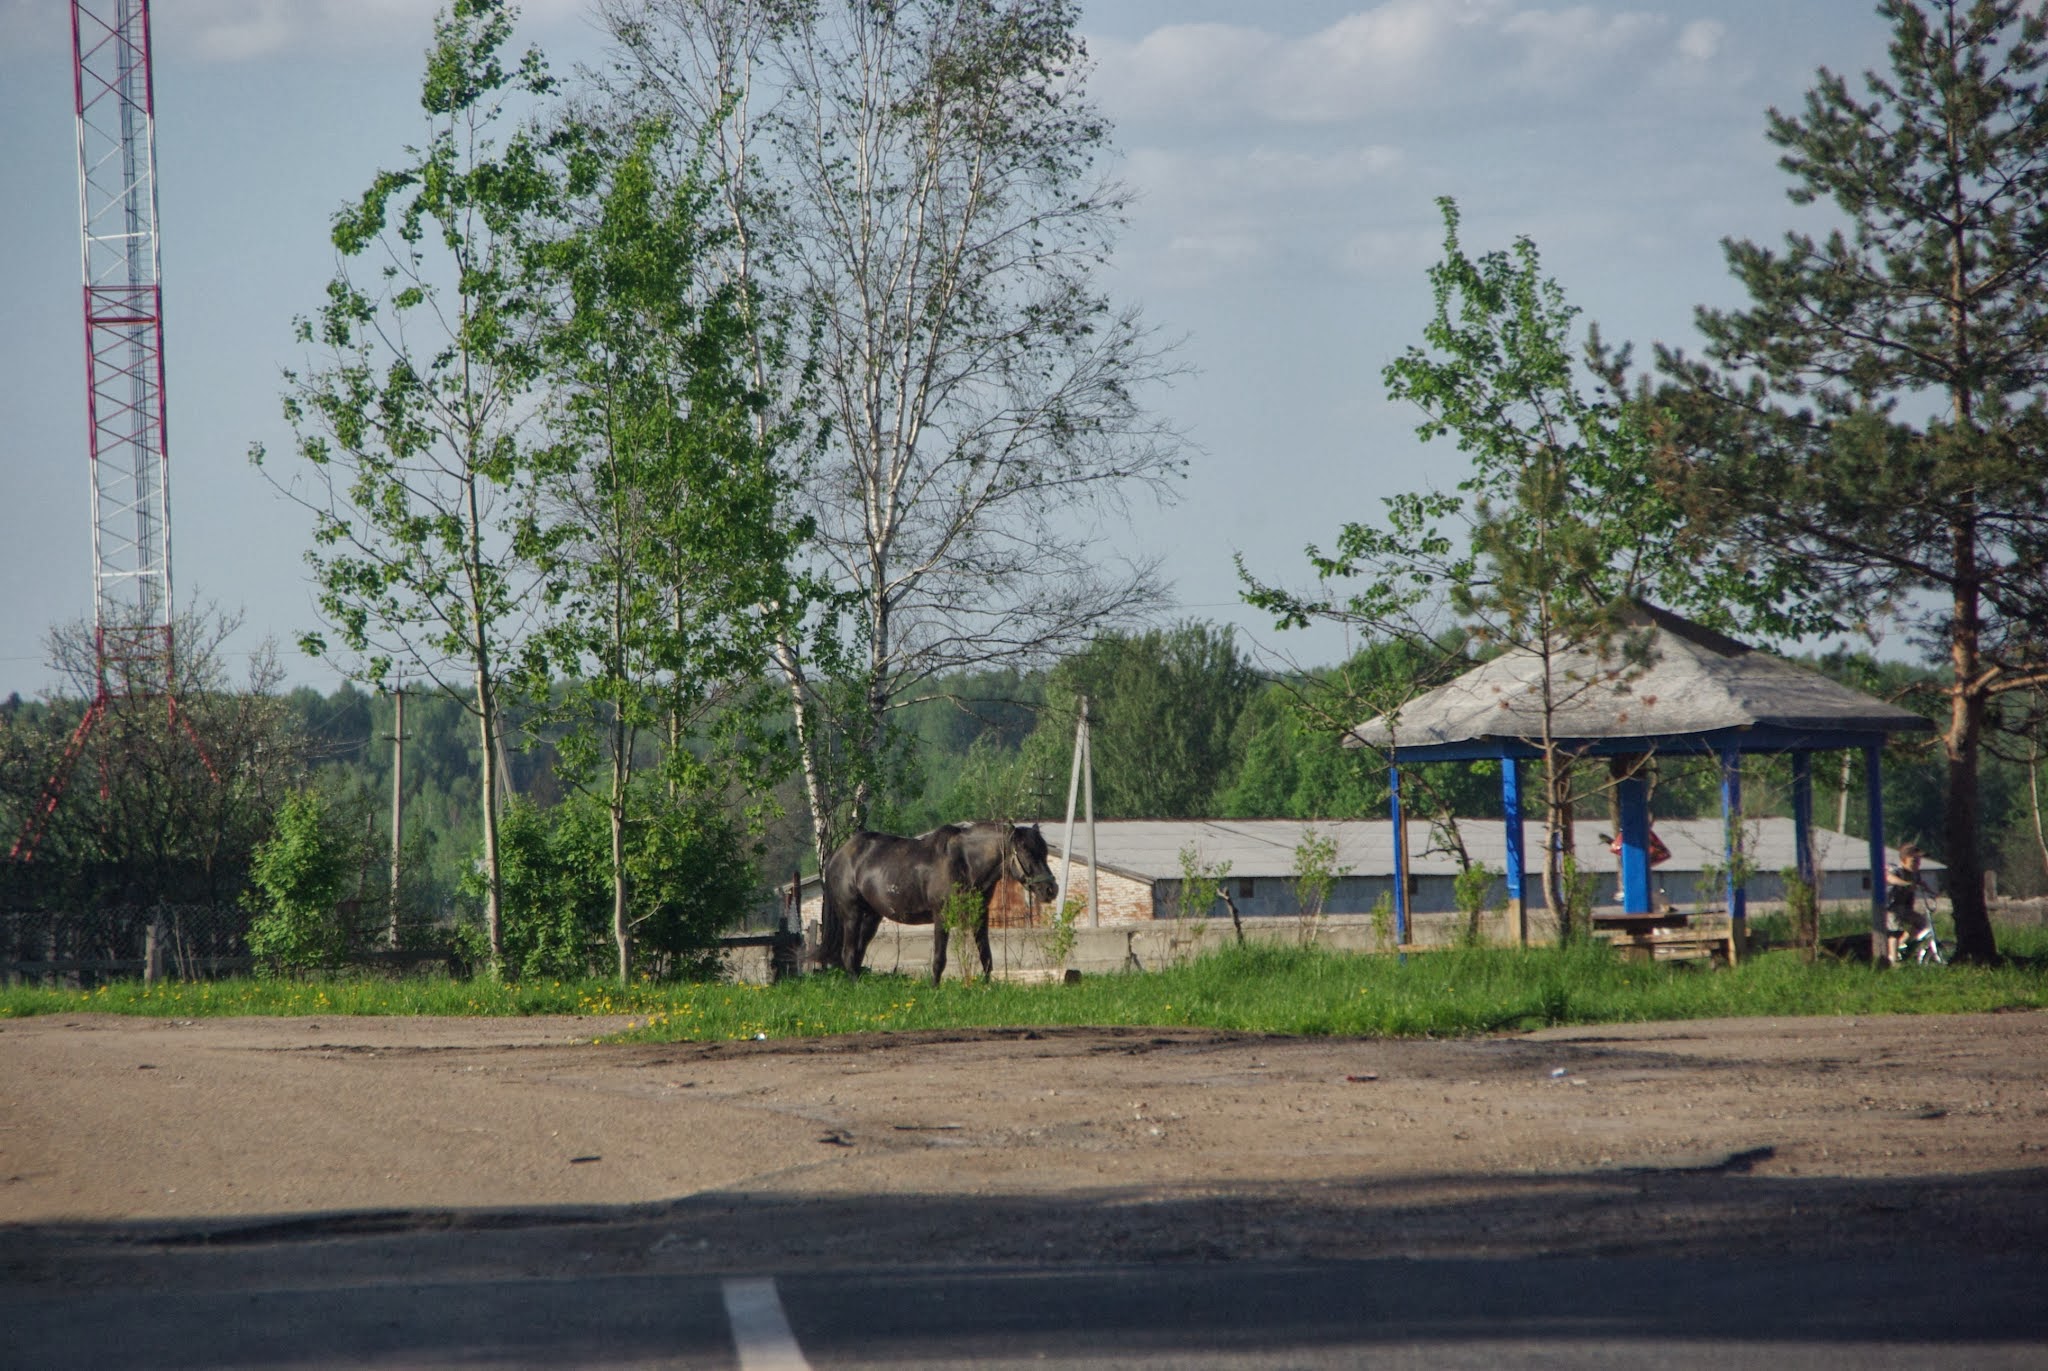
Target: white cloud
1211	214
1700	41
1200	258
231	31
239	30
1403	254
1399	54
1176	178
1204	216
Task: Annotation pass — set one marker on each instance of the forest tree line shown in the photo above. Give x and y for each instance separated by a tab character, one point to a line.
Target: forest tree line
1184	724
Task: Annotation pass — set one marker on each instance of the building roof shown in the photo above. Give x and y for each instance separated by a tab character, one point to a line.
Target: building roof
1691	681
1149	849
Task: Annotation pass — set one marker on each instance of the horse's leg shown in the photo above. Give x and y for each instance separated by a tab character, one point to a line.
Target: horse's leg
988	960
859	933
939	936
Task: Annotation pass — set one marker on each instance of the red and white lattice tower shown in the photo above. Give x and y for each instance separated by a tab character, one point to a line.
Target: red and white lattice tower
124	372
124	345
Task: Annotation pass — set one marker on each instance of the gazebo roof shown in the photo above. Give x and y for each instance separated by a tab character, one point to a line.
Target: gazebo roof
1694	690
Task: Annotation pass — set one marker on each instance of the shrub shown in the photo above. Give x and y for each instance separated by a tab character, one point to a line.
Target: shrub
689	878
1802	903
1472	891
1062	929
963	912
297	875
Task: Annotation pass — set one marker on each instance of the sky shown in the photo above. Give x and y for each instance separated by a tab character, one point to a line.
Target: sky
1286	158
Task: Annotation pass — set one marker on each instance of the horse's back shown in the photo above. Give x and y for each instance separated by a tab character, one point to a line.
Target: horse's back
896	877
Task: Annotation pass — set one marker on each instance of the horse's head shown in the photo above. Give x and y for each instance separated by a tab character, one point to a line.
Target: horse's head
1024	859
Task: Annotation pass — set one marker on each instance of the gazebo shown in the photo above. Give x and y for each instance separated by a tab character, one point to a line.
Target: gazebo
1680	689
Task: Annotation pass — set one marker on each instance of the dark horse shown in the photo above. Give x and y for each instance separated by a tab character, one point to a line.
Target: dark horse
877	876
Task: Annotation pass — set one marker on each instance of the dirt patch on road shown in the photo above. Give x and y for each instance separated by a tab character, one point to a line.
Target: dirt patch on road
1823	1136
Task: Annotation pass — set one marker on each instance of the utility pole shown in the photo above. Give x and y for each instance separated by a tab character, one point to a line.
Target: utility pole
397	736
1081	779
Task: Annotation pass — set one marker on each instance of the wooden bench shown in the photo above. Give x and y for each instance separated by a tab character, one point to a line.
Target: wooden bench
1668	937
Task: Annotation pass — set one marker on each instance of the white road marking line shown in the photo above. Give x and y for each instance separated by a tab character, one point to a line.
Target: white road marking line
760	1330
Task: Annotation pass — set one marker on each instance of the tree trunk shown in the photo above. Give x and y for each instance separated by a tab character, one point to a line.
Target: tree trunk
494	889
807	752
622	782
1975	941
1965	742
622	926
1557	821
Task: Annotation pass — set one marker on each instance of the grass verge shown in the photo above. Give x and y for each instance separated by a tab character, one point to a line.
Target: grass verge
1257	989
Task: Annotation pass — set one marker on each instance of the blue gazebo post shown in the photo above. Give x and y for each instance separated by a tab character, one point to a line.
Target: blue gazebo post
1511	830
1731	838
1802	818
1633	794
1400	857
1873	795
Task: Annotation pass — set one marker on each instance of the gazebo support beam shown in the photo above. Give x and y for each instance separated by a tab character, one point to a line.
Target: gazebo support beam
1632	792
1873	795
1400	857
1802	818
1517	867
1731	827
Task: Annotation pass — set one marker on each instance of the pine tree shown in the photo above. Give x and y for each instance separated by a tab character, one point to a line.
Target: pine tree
1863	441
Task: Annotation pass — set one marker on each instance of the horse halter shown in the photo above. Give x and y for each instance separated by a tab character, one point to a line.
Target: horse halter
1012	860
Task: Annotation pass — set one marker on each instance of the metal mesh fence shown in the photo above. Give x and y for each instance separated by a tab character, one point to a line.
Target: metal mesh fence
84	947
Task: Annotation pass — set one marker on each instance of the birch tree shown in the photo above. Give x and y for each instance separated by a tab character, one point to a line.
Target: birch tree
409	425
661	530
915	181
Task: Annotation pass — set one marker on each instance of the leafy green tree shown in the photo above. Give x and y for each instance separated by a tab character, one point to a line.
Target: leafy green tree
414	428
299	880
965	740
661	536
1864	439
348	747
921	182
1164	706
688	876
1292	759
1563	521
166	801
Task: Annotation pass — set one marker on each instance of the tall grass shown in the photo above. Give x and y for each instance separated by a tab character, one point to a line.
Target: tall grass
1256	989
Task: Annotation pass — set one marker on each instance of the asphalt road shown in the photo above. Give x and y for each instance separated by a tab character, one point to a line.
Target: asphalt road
1441	1314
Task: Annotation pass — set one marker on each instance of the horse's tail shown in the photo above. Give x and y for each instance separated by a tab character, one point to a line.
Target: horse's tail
831	919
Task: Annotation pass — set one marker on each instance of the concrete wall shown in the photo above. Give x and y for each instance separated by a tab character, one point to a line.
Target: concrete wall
1148	944
1126	900
1020	953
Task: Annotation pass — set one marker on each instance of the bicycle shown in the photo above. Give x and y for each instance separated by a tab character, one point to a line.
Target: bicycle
1921	947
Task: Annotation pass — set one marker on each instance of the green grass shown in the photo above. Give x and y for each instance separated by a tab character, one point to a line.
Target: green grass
1259	989
358	995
